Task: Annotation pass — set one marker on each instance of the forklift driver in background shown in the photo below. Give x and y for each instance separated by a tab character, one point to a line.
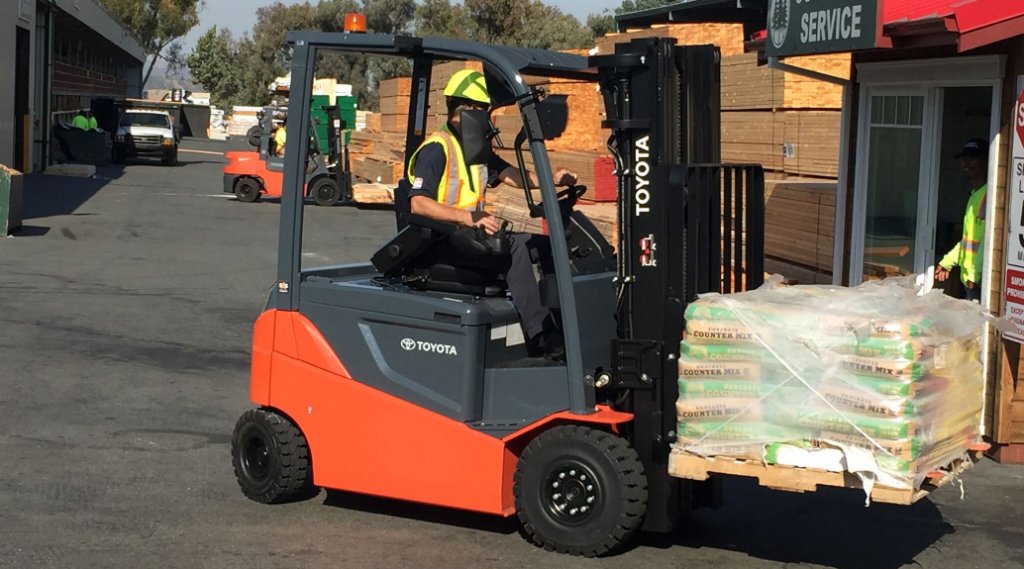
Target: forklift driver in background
280	135
967	253
445	188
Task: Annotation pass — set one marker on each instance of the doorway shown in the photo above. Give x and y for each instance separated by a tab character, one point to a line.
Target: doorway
22	59
911	191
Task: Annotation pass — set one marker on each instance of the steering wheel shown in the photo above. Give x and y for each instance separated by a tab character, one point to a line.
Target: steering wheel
571	195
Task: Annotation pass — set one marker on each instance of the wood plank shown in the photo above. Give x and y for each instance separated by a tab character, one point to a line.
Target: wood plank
692	467
373	193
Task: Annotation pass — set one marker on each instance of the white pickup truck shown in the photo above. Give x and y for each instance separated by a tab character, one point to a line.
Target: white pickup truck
146	133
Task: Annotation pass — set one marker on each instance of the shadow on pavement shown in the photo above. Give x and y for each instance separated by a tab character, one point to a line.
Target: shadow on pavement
830	527
47	195
420	512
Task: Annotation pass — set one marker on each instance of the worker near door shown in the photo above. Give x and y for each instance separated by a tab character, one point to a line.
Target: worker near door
446	188
79	121
967	253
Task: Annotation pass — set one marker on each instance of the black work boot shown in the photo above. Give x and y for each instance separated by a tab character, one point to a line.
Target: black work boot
554	344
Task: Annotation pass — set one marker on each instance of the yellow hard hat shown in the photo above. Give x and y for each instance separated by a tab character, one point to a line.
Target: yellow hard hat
468	84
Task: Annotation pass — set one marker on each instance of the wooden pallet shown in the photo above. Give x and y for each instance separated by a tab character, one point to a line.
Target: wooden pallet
792	479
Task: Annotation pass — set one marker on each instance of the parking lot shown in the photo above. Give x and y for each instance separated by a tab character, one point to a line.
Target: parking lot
127	304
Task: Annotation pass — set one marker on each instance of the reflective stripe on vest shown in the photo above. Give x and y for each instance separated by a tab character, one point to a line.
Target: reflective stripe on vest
460	187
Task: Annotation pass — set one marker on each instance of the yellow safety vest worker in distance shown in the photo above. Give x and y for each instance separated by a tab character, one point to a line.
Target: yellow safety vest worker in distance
967	254
80	122
460	186
93	123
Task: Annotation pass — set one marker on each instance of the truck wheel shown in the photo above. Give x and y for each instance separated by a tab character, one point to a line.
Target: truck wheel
326	192
579	491
271	458
171	159
247	190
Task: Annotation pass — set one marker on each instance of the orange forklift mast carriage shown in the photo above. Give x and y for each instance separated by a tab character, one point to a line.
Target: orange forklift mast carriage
405	379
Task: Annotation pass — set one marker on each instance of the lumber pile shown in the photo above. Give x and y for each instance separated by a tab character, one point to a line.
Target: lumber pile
800	229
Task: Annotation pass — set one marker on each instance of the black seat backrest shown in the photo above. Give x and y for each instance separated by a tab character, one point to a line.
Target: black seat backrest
402	208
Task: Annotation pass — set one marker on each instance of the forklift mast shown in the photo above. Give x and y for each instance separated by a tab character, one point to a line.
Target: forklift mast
663	108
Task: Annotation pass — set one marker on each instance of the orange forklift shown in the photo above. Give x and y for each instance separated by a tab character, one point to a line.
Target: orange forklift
407	377
249	175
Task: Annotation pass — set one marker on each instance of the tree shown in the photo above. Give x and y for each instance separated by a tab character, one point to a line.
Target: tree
525	23
638	5
444	19
217	64
601	24
156	24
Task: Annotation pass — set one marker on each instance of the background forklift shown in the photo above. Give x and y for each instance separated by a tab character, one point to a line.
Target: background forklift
328	179
406	378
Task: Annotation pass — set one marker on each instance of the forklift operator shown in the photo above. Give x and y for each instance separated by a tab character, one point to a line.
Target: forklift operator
447	189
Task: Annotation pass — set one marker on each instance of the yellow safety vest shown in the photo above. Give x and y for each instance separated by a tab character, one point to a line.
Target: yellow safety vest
79	121
93	124
967	254
460	187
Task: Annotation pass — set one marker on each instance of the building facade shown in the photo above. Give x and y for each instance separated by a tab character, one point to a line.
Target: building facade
63	55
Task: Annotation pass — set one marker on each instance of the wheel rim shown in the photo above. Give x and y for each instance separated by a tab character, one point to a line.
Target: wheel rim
246	190
571	493
325	192
256	459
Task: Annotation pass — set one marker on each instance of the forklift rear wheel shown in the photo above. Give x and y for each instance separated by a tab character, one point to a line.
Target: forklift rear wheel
579	491
326	192
271	458
247	190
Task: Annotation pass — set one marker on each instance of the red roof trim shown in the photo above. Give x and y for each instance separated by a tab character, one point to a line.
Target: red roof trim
991	34
978	22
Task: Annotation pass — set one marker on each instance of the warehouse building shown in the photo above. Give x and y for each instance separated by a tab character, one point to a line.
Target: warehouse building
63	56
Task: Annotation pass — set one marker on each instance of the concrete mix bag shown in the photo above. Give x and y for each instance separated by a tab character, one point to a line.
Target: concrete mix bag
806	375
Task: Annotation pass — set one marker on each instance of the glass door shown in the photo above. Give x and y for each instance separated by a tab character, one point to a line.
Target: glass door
893	234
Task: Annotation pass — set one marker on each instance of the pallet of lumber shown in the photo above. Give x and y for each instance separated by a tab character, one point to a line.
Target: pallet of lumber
752	137
728	37
794	479
747	85
373	193
376	170
397	87
800	222
813	140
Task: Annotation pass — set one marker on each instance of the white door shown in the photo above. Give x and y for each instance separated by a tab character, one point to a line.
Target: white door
893	231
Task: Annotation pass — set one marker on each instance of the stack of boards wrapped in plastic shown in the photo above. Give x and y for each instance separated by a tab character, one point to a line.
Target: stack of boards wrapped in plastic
876	380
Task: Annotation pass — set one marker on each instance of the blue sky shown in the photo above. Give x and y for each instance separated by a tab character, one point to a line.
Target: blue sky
240	15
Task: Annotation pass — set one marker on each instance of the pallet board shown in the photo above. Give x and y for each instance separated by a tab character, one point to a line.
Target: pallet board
792	479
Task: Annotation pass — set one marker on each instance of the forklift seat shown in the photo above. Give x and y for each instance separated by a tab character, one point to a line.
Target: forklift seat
427	254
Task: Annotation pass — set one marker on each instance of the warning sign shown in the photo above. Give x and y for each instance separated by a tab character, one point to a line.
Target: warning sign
1013	279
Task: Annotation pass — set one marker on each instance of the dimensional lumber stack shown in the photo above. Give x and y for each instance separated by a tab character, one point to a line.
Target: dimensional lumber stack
875	381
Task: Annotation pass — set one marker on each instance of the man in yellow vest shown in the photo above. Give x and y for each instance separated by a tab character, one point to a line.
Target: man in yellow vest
91	122
280	137
79	121
968	254
447	189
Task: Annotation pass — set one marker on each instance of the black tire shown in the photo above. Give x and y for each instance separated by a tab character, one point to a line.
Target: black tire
171	159
271	458
325	191
247	190
254	136
579	491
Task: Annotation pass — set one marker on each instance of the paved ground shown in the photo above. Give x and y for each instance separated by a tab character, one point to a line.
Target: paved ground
126	307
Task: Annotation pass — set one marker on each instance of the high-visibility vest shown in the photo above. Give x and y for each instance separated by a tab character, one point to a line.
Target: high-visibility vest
80	122
93	123
460	187
967	254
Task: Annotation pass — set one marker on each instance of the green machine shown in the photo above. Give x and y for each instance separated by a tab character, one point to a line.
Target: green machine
347	108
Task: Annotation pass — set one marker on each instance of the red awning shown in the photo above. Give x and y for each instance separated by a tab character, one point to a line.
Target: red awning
970	23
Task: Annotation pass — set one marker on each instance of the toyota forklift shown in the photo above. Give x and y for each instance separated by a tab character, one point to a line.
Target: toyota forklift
251	175
406	377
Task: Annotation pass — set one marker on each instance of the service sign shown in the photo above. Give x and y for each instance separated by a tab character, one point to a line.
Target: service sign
797	27
1013	279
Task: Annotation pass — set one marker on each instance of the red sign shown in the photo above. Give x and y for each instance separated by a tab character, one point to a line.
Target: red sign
1019	118
1015	286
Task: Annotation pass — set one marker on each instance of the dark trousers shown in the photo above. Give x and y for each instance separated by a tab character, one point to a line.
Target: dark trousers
527	251
973	293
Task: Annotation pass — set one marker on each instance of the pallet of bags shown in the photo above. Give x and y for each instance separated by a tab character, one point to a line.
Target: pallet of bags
876	385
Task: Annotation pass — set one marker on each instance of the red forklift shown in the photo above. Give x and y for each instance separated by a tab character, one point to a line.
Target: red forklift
406	377
249	175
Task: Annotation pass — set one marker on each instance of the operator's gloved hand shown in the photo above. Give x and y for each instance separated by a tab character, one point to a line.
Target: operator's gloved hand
564	177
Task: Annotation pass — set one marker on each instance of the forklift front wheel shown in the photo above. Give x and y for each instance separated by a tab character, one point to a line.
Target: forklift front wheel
271	458
326	192
579	490
247	190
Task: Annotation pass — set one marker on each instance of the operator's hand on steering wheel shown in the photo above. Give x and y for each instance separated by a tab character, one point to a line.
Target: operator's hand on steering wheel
564	177
485	221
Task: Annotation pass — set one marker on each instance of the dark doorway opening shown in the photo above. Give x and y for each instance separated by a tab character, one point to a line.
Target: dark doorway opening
21	99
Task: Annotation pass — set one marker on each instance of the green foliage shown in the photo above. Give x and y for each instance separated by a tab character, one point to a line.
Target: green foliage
156	23
245	67
601	24
639	5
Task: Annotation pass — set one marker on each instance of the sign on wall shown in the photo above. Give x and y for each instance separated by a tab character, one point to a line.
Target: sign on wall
1013	279
797	27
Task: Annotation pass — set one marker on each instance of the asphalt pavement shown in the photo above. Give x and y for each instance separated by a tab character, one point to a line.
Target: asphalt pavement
126	310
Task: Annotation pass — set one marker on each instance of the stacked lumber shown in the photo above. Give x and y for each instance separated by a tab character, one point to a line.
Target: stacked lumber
377	156
509	204
746	85
728	37
800	229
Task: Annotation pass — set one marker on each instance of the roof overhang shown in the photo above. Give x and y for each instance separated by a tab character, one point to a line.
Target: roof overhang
91	14
698	11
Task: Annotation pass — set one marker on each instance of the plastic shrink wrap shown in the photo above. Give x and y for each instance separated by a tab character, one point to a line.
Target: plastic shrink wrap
878	379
